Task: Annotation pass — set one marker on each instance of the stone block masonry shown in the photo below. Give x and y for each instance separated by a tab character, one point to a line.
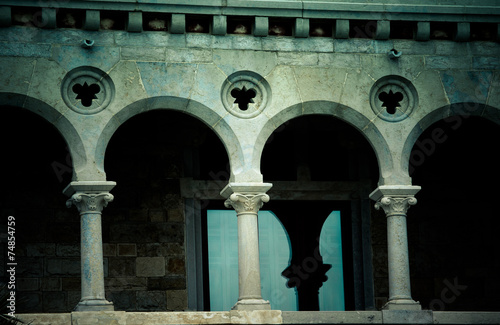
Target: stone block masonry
326	63
261	317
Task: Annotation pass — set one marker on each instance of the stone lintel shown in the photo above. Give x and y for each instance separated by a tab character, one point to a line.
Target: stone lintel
89	187
394	191
245	188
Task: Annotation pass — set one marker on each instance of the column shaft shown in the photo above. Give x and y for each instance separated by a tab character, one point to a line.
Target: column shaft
92	258
399	265
248	257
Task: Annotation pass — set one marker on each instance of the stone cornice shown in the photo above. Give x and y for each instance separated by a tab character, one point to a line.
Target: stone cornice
422	10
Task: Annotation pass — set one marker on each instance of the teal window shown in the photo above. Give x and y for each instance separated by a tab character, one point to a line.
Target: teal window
275	256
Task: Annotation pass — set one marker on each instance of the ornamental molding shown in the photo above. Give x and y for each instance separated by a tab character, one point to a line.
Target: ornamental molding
245	94
393	98
246	203
90	203
87	90
394	205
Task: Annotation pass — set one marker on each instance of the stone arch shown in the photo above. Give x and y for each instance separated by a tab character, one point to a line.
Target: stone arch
344	113
58	120
203	113
454	114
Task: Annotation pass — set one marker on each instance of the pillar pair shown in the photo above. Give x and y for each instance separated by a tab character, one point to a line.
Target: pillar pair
248	198
91	197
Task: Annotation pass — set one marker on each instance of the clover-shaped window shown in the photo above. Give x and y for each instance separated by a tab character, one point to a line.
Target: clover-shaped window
86	93
243	97
391	100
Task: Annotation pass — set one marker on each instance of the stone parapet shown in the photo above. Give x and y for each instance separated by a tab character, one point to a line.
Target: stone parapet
285	8
265	317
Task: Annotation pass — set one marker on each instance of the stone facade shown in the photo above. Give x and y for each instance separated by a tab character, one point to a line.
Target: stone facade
155	112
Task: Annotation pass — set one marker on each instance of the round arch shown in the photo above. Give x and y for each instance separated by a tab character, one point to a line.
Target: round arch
58	120
206	115
344	113
454	115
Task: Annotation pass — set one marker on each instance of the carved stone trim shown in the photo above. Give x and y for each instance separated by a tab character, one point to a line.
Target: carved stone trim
245	94
90	203
393	205
246	203
393	98
87	90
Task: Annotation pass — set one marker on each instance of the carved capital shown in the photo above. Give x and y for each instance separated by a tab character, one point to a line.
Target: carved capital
89	203
394	205
246	203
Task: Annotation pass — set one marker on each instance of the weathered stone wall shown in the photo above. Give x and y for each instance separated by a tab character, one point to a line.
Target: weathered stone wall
143	229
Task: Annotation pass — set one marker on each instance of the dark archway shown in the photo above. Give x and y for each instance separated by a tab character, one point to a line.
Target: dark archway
36	167
319	164
453	230
144	228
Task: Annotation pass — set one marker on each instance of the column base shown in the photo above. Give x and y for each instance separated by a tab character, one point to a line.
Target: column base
402	304
252	304
95	305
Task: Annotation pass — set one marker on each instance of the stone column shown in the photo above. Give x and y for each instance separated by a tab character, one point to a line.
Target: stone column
395	201
90	200
247	199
